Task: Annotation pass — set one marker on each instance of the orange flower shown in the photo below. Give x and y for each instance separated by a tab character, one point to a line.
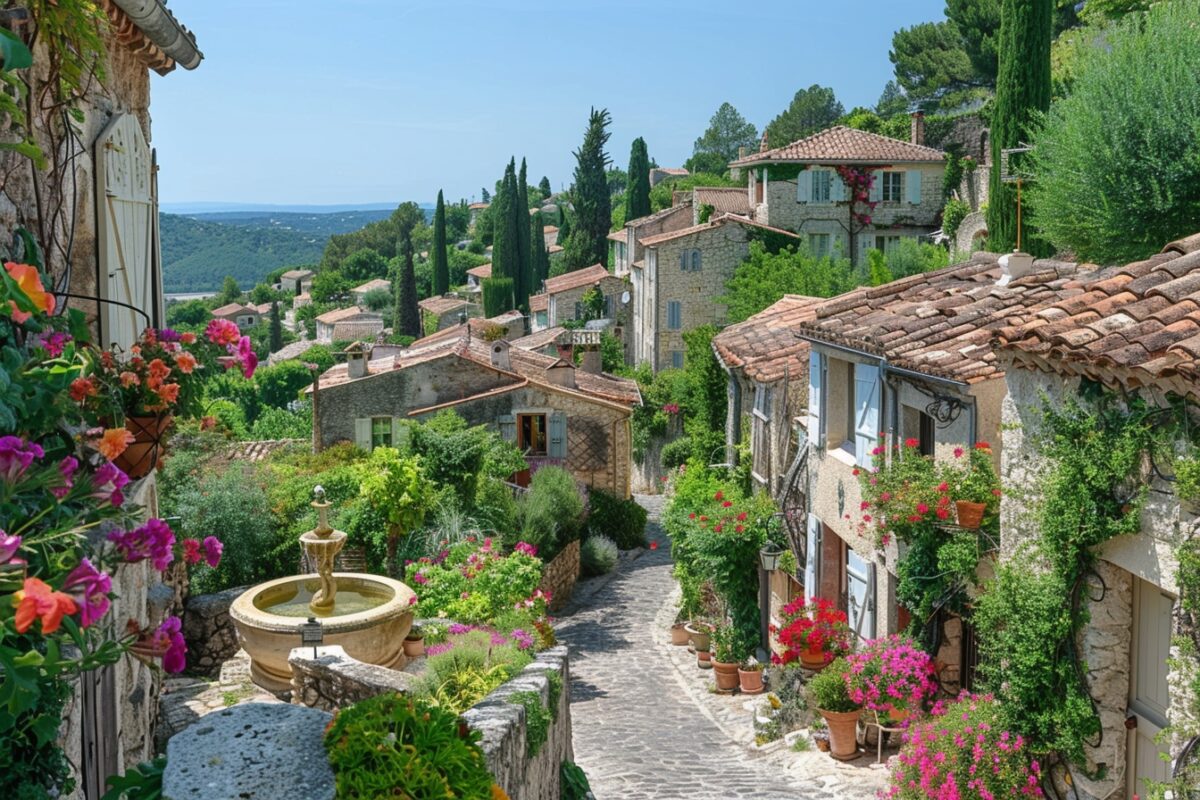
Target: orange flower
30	282
159	369
186	363
113	442
130	379
38	600
82	389
187	338
169	393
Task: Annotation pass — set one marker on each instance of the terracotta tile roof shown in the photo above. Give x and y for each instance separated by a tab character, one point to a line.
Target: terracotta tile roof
540	339
549	229
371	285
1136	325
730	200
620	235
478	206
261	450
539	302
942	323
297	274
481	272
672	170
658	216
340	314
233	309
840	144
554	249
580	277
442	305
263	308
357	329
507	318
724	219
765	345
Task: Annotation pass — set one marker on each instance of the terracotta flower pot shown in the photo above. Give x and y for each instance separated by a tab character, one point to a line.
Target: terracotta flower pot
843	733
751	680
699	636
970	515
679	634
822	743
141	457
414	648
726	674
703	659
813	659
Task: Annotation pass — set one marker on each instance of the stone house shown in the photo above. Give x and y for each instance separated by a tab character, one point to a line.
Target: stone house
677	284
1133	329
556	413
297	281
626	243
798	187
767	364
359	293
301	300
909	360
660	174
245	316
476	276
348	324
550	232
563	298
539	309
475	209
438	313
711	201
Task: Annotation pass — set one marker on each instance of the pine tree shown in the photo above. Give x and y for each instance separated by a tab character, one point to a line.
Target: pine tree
497	296
408	313
544	187
524	277
276	330
637	195
441	267
591	197
1022	92
505	248
541	256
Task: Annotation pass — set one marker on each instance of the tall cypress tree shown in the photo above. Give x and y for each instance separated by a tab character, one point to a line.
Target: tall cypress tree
497	296
276	331
408	312
637	192
591	197
541	257
505	246
524	278
564	224
441	267
1022	91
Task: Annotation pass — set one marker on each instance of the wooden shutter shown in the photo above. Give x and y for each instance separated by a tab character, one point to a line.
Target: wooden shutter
812	556
860	602
696	257
912	186
816	381
126	219
508	427
683	261
866	241
558	435
804	186
876	186
837	189
401	434
866	412
362	433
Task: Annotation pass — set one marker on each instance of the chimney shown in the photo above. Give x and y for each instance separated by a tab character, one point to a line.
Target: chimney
356	360
591	362
500	359
741	151
561	373
762	143
1014	265
918	127
566	350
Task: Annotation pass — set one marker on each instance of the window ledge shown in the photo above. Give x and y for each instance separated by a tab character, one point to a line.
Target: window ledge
841	453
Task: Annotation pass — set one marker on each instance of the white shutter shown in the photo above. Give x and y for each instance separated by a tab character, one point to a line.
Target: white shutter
804	187
816	384
876	185
866	412
126	217
362	433
912	186
558	435
401	434
508	427
837	189
860	600
812	556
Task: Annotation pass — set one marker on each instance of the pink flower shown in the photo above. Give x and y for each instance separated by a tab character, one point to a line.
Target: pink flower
108	481
9	545
212	548
419	579
958	451
246	356
175	657
154	540
526	548
412	600
910	442
191	551
222	332
16	455
922	508
66	469
89	588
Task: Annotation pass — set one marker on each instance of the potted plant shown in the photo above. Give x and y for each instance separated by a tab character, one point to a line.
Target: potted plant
813	632
831	696
698	632
820	734
891	676
973	484
750	676
679	634
414	642
724	658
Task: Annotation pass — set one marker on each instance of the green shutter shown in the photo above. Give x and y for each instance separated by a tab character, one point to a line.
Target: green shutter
913	186
362	433
558	435
508	427
804	187
876	186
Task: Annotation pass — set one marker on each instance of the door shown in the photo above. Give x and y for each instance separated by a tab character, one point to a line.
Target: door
1149	699
860	595
130	285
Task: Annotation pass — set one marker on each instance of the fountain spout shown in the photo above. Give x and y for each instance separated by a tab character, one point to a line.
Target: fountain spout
321	545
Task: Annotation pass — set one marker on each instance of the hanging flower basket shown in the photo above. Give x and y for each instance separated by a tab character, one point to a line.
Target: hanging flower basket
970	515
142	455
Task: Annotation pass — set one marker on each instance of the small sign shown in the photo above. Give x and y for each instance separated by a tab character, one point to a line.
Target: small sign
312	633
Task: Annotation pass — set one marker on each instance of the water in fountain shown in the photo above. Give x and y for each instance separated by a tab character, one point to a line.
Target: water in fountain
300	594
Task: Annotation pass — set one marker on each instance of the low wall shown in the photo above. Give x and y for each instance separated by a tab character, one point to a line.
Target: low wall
328	679
210	634
559	576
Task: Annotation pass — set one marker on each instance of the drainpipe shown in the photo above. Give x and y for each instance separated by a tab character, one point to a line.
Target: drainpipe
161	27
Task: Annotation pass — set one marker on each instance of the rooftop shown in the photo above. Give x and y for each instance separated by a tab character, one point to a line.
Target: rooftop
373	284
442	305
724	200
540	339
539	302
724	219
840	144
233	309
580	277
342	314
765	346
297	274
482	271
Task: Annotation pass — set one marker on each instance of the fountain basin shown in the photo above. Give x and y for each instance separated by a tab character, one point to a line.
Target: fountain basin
370	621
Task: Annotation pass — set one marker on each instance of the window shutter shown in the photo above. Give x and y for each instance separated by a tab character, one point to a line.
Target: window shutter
876	185
362	433
683	261
812	556
866	412
696	257
508	427
401	434
860	601
816	381
804	186
837	189
912	186
558	435
866	241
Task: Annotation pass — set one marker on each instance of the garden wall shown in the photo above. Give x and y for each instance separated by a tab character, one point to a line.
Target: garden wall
559	576
210	633
328	679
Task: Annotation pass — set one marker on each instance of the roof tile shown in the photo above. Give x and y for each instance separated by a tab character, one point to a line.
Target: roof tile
842	144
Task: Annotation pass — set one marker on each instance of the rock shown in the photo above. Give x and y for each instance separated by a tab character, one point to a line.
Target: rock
255	751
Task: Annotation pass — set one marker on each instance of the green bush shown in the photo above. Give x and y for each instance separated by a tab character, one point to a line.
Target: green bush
281	384
1187	478
496	506
551	512
398	746
828	691
455	454
597	556
472	582
575	784
469	666
622	521
953	215
279	423
676	452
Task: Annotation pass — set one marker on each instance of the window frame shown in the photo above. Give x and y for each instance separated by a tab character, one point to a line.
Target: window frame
821	178
676	359
538	433
674	315
826	247
381	438
891	183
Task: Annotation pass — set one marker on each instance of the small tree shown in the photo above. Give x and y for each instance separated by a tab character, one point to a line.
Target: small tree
544	187
396	487
588	243
377	299
497	296
637	195
811	110
276	329
408	313
541	256
524	275
441	269
230	291
727	131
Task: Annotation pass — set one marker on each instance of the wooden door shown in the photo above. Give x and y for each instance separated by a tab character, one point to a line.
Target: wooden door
1149	698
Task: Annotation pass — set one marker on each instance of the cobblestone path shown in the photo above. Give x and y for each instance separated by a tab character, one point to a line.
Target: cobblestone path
637	733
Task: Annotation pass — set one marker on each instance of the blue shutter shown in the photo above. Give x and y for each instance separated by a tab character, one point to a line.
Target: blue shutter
558	435
816	375
683	261
401	434
362	433
866	412
837	189
696	260
804	186
912	186
876	186
508	427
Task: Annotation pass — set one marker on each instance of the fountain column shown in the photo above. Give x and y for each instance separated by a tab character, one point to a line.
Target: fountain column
321	545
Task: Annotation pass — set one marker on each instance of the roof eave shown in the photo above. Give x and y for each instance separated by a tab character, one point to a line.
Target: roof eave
161	28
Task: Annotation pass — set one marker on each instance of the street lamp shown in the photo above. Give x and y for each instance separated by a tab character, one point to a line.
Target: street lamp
768	561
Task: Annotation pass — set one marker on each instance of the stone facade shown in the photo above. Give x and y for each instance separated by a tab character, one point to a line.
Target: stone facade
629	248
567	306
559	576
210	634
327	678
971	231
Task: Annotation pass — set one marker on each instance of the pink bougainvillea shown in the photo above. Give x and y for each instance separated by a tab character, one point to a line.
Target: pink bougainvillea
890	675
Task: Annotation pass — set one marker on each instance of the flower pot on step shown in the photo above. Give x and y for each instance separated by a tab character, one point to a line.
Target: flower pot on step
726	675
813	660
751	680
822	743
679	634
843	733
414	648
970	515
703	659
141	457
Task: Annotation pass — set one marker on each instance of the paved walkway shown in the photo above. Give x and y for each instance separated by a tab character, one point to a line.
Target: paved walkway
639	730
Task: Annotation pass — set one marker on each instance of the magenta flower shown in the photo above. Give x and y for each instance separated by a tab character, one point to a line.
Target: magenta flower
54	343
245	356
66	469
155	541
90	589
212	548
16	455
108	482
222	332
175	656
191	552
9	545
526	548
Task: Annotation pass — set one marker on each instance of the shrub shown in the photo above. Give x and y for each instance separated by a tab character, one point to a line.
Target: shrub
622	521
953	215
814	626
1187	478
676	452
552	511
597	556
279	423
537	720
575	784
891	674
496	506
471	582
828	691
399	743
473	662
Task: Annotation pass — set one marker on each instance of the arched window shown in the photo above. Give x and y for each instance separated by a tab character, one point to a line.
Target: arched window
695	261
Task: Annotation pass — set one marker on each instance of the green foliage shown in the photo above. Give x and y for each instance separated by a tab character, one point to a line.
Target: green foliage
551	513
978	25
276	328
597	555
230	291
281	384
456	455
187	313
612	353
142	782
537	720
364	265
591	197
382	236
397	743
637	195
378	300
506	248
910	257
279	423
1116	178
877	271
495	504
441	268
704	421
811	110
497	296
676	452
929	59
539	255
727	131
662	195
953	215
329	287
523	277
492	583
1187	478
407	313
622	521
575	784
827	689
763	279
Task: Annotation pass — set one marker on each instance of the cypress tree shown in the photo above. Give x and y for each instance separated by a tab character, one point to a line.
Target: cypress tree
524	277
591	197
1022	92
544	187
276	331
497	296
564	224
408	313
637	192
541	257
441	267
505	247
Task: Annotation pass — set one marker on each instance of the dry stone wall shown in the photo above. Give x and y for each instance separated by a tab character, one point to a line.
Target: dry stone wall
210	634
327	678
559	576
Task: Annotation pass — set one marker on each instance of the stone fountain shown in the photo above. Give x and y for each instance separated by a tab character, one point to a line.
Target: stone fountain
368	615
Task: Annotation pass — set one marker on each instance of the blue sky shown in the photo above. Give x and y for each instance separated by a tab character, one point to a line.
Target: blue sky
354	101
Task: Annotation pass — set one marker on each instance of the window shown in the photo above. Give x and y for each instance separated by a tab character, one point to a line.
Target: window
822	182
683	261
892	187
762	401
695	261
818	244
850	407
381	432
531	434
674	315
689	261
926	436
579	311
886	243
677	359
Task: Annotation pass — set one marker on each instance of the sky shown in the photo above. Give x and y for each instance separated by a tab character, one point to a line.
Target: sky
359	101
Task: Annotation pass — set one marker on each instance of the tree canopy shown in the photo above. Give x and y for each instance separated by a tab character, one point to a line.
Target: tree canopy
811	110
727	131
441	269
930	58
637	196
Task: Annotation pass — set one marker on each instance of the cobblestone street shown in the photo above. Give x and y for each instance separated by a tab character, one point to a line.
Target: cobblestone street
640	730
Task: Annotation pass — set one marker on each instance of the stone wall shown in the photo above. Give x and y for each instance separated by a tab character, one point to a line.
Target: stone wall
210	633
562	304
971	231
559	576
328	679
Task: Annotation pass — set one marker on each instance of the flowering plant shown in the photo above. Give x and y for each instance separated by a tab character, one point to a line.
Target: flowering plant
963	754
472	582
813	626
891	674
972	477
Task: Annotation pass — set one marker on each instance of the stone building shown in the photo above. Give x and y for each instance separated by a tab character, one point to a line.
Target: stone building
660	174
1134	329
563	297
476	276
677	284
555	413
348	324
909	359
798	187
244	316
711	201
297	281
439	313
626	243
359	293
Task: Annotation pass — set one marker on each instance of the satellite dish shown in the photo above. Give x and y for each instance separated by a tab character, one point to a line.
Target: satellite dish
625	297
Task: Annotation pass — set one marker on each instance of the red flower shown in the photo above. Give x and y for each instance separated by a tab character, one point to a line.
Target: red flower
982	446
855	472
719	496
739	528
727	504
943	487
717	527
741	517
942	513
910	442
864	505
922	508
958	451
692	515
654	545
